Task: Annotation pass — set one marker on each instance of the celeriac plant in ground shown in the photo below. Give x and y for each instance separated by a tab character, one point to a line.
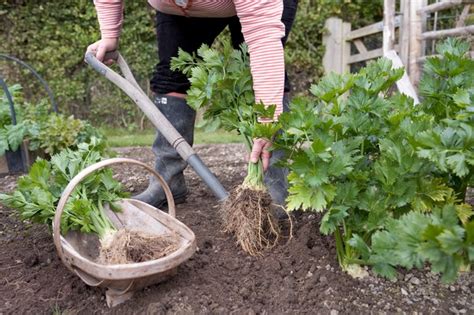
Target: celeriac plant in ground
390	177
444	136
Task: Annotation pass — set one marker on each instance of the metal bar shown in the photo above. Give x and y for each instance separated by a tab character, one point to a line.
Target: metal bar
208	177
10	100
36	74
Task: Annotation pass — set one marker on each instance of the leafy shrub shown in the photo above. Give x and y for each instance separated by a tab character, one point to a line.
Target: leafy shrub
45	130
53	37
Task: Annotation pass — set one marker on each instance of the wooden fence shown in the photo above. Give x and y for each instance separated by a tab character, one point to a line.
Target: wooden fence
404	35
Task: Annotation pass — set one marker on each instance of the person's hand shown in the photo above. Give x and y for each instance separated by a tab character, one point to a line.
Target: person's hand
100	47
260	150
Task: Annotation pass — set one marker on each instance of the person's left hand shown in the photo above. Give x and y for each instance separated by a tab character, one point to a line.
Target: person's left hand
260	150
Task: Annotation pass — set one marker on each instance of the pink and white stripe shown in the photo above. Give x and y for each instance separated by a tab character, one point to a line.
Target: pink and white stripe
261	26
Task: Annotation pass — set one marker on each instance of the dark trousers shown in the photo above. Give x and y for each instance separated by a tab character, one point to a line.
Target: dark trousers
188	33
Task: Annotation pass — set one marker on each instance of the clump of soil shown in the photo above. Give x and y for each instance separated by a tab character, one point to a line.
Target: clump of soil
128	246
248	214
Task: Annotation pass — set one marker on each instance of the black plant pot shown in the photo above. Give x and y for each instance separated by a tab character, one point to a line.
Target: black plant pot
16	161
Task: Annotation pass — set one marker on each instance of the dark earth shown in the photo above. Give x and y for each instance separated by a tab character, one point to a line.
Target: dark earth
299	276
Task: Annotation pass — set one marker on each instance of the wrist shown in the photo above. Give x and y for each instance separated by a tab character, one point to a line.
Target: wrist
265	120
110	39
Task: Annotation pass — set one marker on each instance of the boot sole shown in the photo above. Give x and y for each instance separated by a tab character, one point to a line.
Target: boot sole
177	200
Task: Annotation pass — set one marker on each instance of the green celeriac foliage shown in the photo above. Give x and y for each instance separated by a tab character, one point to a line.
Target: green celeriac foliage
375	164
221	85
37	194
447	86
416	238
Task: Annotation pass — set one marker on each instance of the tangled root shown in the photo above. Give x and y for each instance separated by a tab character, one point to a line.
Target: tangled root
136	246
248	215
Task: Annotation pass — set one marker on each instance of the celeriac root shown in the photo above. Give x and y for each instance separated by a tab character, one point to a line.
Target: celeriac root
128	246
248	214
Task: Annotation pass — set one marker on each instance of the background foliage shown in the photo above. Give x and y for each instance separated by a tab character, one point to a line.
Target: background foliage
53	35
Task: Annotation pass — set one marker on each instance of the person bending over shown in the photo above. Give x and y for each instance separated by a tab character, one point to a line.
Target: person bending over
263	25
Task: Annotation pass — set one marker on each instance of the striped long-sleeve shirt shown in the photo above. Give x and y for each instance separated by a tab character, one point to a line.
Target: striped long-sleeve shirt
261	26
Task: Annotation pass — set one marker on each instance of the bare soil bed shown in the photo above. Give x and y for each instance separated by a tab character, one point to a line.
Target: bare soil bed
299	276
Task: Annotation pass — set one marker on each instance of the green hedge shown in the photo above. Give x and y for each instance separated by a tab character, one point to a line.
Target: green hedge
52	36
305	49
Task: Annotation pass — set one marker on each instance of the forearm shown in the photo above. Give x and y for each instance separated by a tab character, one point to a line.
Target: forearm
263	30
110	16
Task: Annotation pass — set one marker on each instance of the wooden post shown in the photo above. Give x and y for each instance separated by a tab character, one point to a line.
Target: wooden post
416	46
334	41
388	25
443	5
404	37
462	18
346	47
454	32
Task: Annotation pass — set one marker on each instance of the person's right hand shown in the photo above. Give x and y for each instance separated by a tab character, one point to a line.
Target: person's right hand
100	47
